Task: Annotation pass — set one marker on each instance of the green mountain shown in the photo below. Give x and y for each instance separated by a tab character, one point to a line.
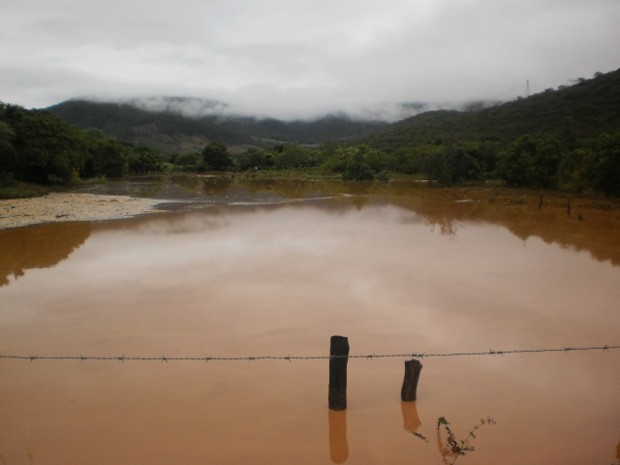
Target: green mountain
168	130
593	105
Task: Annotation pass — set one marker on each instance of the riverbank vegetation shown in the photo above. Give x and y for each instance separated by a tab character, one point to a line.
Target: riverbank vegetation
566	140
40	148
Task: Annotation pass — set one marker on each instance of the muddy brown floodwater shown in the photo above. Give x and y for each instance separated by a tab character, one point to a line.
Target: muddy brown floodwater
275	268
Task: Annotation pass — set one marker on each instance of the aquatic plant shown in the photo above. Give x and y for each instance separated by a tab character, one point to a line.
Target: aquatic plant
454	448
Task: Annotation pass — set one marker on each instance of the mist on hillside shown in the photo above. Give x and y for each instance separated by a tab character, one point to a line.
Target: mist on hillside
196	107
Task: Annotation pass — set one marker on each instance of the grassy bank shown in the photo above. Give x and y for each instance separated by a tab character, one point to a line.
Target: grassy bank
21	190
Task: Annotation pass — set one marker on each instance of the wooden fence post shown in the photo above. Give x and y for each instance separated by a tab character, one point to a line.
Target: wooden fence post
339	357
413	368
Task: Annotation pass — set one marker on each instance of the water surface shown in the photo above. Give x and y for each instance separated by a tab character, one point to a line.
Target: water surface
276	268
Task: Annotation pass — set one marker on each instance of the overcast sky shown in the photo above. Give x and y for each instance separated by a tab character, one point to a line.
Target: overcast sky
296	58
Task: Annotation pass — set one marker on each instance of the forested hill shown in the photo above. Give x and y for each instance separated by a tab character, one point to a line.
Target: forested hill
593	105
172	133
163	131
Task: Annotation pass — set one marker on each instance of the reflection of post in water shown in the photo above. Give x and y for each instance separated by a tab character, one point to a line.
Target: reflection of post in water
411	421
338	443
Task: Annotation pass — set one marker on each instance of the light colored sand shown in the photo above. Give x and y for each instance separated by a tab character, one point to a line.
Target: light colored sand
57	207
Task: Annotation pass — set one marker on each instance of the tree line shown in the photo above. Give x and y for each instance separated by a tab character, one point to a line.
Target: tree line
39	147
352	162
564	162
543	161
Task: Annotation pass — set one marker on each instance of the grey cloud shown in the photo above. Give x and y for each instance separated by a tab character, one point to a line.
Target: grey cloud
305	57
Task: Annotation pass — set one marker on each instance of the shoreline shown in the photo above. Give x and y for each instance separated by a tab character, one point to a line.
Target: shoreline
71	207
58	207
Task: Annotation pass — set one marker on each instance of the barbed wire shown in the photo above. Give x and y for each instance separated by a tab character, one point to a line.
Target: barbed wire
290	358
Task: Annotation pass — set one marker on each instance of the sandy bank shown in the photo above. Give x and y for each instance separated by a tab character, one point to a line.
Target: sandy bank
55	207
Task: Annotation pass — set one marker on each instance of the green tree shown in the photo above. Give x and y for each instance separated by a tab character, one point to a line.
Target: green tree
569	135
437	167
337	159
376	159
216	157
461	164
48	150
7	152
188	161
360	162
603	167
545	162
144	160
292	156
406	160
571	169
357	169
254	158
515	163
6	137
107	157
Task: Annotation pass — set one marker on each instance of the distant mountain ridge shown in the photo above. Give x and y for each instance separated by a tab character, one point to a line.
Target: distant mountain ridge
180	125
592	104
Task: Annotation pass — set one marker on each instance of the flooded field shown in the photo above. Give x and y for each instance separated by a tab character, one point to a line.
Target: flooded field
250	268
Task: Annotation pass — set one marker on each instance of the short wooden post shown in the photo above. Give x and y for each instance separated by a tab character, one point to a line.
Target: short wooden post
339	357
413	368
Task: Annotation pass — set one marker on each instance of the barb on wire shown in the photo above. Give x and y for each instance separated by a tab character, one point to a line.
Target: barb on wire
164	359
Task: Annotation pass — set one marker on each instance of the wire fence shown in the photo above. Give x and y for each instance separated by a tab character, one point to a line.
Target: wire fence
290	358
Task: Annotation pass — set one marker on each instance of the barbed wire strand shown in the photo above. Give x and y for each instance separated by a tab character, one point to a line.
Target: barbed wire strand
290	358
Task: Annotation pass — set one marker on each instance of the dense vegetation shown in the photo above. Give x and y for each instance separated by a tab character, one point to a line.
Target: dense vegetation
567	139
39	147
